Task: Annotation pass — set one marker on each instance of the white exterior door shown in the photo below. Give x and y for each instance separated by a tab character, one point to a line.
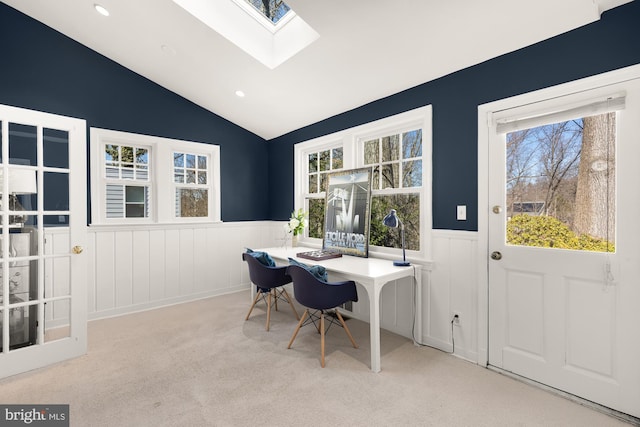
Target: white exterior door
43	303
559	313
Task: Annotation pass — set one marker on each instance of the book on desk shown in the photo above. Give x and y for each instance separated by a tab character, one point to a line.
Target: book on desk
319	255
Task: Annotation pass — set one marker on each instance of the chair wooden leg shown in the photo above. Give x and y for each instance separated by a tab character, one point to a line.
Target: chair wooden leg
322	339
286	294
253	305
268	309
304	315
344	326
317	325
275	297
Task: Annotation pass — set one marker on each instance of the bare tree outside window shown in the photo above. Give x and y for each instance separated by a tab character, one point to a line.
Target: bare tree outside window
595	201
273	10
564	171
392	149
319	165
397	176
189	171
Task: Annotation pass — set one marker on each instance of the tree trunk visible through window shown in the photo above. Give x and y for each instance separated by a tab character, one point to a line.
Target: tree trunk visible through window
563	171
267	9
595	195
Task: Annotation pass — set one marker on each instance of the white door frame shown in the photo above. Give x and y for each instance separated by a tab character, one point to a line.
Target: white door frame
484	128
44	352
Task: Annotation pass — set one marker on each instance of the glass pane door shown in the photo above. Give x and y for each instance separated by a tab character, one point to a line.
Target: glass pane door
19	198
40	308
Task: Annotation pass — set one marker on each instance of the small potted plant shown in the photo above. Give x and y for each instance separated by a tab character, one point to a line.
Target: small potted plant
296	225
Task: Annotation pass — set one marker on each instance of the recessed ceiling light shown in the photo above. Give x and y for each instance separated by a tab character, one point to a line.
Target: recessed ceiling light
101	10
240	93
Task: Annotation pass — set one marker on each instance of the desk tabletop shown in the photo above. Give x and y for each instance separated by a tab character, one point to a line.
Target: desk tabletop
375	271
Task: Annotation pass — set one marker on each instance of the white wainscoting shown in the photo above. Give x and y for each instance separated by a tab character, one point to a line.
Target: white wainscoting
452	288
397	308
139	268
449	285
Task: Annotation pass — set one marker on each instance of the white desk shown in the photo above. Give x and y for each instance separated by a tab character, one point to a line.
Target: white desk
371	273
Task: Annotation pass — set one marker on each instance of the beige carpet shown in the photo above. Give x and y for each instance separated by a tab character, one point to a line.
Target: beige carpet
201	364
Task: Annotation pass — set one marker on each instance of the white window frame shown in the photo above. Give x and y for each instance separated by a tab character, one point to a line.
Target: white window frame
352	141
301	171
162	189
185	185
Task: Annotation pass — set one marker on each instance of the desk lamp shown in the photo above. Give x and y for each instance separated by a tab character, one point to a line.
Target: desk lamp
392	221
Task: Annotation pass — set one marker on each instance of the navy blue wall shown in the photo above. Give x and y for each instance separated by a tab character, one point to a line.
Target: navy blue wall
46	71
611	43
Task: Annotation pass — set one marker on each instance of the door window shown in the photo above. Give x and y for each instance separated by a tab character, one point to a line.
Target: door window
560	184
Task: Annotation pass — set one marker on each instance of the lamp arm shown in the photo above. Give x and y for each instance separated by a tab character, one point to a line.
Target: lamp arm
404	258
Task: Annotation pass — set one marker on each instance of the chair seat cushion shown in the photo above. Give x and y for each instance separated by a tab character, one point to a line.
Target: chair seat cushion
263	257
318	271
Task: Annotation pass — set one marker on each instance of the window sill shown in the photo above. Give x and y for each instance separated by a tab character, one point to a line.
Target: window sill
425	263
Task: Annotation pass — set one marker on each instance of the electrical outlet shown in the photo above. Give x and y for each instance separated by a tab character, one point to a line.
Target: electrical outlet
457	318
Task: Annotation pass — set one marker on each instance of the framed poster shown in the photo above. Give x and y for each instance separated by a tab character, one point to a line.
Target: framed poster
348	212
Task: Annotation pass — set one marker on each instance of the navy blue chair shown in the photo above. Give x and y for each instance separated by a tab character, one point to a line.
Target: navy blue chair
270	283
323	298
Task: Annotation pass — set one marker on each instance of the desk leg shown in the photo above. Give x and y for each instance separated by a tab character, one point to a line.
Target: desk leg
374	328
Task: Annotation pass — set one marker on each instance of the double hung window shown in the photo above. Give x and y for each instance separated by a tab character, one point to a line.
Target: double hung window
319	163
126	177
396	159
190	177
397	150
145	179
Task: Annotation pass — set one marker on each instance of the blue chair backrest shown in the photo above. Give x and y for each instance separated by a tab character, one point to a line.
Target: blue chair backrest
266	277
319	295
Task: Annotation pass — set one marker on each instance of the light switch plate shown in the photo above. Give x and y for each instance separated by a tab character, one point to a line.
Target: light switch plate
462	213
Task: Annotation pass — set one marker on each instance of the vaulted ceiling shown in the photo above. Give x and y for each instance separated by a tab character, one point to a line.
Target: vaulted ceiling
366	50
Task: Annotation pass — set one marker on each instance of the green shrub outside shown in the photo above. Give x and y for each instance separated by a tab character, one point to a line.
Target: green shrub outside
549	232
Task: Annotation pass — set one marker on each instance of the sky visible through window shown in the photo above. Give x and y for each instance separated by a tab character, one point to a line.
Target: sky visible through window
560	184
273	10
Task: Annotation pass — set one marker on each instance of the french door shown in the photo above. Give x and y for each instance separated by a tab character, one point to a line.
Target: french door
42	229
563	239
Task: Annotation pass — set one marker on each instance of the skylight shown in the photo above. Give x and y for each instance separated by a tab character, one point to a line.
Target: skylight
273	10
271	37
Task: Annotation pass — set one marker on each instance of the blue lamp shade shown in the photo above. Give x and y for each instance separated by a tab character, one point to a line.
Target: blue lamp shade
392	221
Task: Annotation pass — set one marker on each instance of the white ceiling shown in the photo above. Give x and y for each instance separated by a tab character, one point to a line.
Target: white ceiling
367	49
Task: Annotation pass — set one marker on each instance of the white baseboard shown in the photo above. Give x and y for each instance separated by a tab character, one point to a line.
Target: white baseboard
152	305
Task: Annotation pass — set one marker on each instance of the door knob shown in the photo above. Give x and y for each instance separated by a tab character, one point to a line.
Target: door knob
497	209
77	249
496	255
